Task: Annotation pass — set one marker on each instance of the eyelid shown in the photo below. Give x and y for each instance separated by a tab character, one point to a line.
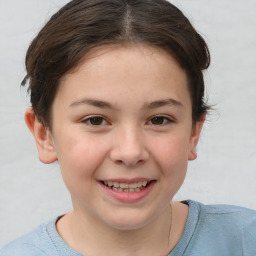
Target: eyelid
167	120
166	117
87	119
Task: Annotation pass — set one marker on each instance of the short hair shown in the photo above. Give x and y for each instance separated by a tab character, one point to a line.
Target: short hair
82	25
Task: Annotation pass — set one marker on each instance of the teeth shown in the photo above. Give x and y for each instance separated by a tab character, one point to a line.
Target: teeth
125	187
133	185
116	184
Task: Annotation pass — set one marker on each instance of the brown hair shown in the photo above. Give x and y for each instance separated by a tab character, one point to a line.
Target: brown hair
82	25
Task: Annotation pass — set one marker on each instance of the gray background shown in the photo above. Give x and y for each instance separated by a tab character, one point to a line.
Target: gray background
225	171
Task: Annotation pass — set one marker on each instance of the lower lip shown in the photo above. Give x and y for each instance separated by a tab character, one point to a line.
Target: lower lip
129	197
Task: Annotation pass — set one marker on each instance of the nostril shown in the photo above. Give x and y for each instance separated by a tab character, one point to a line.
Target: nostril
140	161
119	162
129	163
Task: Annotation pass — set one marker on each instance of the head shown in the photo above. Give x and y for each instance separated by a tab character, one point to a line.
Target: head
83	25
117	96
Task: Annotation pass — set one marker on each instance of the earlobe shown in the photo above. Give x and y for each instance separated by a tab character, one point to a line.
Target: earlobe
43	137
195	138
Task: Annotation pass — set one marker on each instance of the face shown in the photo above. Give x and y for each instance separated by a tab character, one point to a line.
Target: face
122	133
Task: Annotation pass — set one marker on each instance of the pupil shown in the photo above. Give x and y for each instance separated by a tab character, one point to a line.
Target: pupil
157	120
96	120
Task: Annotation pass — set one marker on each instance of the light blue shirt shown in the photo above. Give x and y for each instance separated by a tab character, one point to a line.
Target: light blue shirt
211	230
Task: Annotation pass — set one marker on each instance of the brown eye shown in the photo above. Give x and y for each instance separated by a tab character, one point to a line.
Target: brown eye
160	120
95	121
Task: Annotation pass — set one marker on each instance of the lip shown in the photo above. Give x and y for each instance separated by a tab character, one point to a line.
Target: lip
129	181
128	197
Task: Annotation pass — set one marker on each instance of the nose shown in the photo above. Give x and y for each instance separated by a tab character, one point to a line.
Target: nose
129	148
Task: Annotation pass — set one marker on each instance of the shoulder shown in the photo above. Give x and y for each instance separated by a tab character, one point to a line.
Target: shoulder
229	226
35	243
222	215
240	215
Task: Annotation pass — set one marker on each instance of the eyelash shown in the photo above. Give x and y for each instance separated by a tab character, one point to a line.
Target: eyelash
165	119
88	121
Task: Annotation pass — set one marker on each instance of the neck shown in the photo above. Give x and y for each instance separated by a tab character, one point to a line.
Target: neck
89	236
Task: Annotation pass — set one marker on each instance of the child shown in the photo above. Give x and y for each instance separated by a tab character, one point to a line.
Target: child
117	96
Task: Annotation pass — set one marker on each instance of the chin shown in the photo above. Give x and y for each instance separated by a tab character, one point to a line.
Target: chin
128	222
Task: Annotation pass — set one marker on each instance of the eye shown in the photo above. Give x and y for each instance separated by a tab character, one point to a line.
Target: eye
95	121
160	120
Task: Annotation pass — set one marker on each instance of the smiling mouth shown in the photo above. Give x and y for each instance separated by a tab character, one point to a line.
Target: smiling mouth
127	187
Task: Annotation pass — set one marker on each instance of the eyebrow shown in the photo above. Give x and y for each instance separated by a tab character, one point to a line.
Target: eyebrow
151	105
92	102
163	103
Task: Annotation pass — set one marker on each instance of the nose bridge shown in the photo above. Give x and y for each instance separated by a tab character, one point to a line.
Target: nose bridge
129	146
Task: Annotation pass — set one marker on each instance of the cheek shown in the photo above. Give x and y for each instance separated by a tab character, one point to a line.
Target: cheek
172	154
79	158
175	149
173	161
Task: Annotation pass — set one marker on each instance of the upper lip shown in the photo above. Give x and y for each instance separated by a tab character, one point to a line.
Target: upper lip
128	181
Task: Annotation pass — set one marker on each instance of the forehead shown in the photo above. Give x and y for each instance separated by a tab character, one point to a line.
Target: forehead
112	72
141	54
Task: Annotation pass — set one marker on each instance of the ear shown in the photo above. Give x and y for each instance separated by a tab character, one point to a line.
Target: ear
192	155
43	137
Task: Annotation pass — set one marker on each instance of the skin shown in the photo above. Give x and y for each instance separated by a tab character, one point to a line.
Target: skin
126	88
